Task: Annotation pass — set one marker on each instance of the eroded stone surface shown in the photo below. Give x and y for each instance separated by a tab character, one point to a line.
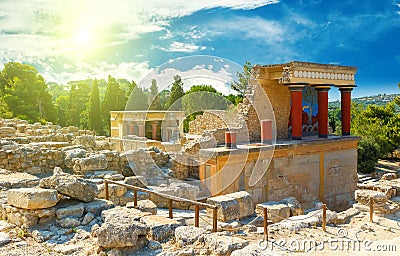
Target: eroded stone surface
32	198
232	206
70	185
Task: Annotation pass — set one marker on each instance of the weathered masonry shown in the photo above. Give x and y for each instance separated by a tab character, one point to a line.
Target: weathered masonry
307	162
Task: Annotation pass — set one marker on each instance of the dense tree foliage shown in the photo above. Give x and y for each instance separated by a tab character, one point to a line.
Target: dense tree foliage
243	79
176	94
379	127
24	95
95	123
199	98
154	97
137	100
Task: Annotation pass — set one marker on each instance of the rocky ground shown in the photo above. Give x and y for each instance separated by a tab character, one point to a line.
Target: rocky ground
382	237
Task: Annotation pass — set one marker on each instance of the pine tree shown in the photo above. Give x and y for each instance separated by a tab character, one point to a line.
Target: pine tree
95	121
154	98
137	100
73	110
176	94
111	102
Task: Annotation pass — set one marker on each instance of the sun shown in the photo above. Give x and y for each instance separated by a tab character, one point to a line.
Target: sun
83	38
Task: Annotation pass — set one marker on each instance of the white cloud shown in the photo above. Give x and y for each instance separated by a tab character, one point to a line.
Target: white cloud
181	47
38	31
254	28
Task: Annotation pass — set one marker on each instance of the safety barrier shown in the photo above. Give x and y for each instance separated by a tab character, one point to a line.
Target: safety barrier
170	200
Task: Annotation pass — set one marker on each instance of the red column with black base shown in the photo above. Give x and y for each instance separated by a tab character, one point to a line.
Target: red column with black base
345	94
322	111
296	94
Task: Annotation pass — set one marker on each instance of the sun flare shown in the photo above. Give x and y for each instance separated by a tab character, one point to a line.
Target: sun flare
83	38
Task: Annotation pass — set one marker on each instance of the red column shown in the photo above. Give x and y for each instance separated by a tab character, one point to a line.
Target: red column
345	94
323	112
266	131
131	129
230	139
141	130
296	94
154	131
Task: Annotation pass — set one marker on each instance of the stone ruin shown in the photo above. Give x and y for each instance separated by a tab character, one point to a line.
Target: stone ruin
53	190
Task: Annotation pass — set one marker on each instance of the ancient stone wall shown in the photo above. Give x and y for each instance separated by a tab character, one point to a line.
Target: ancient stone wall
295	172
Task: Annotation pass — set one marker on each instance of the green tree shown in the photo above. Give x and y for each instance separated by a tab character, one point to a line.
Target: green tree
61	104
234	99
379	127
78	99
154	98
73	108
95	121
24	91
137	100
199	98
176	93
114	100
242	82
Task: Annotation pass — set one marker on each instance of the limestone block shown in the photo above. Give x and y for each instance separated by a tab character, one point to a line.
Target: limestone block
222	244
232	206
119	212
144	206
91	163
188	234
345	216
276	211
295	206
113	190
72	154
70	211
363	196
81	189
137	181
32	198
121	233
69	222
97	206
161	228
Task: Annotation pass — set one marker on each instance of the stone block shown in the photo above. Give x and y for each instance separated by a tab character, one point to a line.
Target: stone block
294	205
32	198
121	233
113	190
70	211
345	216
363	196
137	181
232	206
161	228
276	211
188	234
144	206
81	189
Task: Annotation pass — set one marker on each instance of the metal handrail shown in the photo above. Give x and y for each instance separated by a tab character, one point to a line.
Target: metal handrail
170	200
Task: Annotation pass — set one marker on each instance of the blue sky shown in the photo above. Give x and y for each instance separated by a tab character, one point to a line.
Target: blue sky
70	39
